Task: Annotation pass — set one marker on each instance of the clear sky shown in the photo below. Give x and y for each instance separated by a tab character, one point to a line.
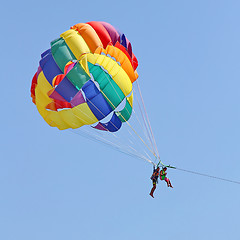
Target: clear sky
57	185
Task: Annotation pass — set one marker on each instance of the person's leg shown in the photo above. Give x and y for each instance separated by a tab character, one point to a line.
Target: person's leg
153	189
167	181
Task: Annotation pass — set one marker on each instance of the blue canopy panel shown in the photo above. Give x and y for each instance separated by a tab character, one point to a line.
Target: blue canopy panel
95	100
112	126
49	67
66	89
123	40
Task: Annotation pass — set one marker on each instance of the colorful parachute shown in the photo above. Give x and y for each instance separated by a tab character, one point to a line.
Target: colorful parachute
88	77
85	75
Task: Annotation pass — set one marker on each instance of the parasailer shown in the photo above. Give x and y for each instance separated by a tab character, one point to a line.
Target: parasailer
154	179
159	174
162	177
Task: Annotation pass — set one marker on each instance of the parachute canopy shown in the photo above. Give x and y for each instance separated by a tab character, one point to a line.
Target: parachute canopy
84	77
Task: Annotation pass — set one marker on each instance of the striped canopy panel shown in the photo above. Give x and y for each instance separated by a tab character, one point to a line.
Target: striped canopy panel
84	77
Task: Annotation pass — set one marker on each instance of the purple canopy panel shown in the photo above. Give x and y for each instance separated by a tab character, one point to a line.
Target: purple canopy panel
111	31
129	48
99	126
77	99
39	70
55	95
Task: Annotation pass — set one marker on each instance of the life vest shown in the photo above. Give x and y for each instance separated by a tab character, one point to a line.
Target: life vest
155	175
163	175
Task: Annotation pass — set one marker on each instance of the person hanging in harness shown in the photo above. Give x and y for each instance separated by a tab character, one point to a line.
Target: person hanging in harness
154	179
163	177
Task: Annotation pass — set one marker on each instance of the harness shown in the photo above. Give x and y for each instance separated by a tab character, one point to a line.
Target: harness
155	175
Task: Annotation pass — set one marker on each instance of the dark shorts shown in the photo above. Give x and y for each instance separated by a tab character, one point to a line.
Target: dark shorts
154	181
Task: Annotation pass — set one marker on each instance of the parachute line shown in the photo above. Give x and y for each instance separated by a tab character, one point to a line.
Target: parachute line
133	129
145	125
109	143
207	175
144	128
149	125
116	147
201	174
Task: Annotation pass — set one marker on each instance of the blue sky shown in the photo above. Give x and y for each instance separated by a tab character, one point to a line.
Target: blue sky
57	185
